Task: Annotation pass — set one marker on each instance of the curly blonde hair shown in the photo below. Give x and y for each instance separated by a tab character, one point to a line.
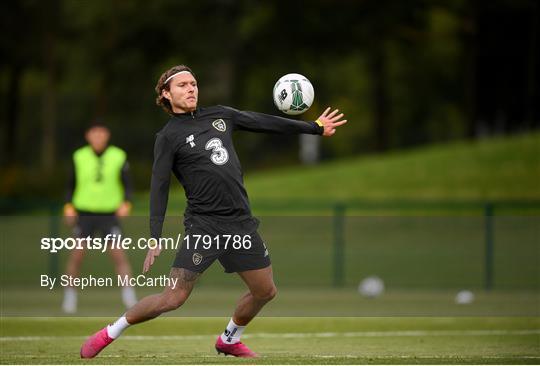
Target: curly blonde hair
162	85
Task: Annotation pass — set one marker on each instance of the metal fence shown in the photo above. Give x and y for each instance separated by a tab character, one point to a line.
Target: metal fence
492	231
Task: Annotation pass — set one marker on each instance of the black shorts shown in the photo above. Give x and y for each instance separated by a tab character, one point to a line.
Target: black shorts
96	225
202	246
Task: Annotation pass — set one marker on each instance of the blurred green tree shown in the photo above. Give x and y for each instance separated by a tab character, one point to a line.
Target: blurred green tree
405	73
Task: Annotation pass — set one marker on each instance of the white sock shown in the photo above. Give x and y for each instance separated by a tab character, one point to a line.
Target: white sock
115	329
232	333
69	305
128	296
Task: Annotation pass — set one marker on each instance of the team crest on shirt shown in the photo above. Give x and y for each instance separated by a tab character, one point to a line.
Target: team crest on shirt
219	125
197	259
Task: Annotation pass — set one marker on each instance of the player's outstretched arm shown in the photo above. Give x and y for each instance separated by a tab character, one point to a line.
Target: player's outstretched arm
330	121
266	123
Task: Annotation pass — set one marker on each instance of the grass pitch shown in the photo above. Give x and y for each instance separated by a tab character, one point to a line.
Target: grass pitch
501	327
282	341
503	168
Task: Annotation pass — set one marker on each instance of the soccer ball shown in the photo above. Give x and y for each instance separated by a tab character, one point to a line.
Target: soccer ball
464	297
293	94
371	286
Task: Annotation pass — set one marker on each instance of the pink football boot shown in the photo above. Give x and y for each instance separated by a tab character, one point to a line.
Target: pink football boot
95	344
237	350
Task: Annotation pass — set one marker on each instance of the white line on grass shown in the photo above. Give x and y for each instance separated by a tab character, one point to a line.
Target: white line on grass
420	357
411	333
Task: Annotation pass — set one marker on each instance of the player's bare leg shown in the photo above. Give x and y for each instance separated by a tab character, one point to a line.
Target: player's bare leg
121	263
147	308
171	298
69	304
123	268
262	289
74	262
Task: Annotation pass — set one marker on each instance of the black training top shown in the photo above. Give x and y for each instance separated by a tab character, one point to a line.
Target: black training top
198	148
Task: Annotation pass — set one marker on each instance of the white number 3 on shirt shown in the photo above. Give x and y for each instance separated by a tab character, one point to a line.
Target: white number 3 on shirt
219	154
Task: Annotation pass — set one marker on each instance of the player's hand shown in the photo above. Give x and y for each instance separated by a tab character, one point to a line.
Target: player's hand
150	258
331	120
124	209
70	214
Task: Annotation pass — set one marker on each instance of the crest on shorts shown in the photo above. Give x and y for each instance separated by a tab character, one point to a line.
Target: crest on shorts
197	259
219	125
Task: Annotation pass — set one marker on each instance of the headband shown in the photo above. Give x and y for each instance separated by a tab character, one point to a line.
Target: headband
173	75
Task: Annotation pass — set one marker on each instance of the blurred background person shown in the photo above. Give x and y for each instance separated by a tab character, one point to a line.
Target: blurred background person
99	191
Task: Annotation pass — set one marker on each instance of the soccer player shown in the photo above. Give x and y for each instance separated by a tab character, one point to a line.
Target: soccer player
196	145
99	191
